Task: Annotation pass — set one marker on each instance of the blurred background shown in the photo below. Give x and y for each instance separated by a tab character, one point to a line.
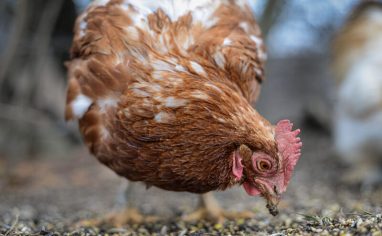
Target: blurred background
35	38
37	145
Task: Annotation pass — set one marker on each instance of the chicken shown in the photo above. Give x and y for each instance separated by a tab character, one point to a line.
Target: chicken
358	69
162	91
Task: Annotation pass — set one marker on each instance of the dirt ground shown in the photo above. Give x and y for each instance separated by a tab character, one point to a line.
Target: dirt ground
45	197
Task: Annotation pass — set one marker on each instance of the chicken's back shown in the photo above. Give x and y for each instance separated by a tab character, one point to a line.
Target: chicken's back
138	65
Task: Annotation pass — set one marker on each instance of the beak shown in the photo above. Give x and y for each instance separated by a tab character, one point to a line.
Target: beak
272	202
271	194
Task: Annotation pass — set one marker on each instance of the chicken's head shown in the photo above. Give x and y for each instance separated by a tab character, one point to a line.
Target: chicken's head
268	174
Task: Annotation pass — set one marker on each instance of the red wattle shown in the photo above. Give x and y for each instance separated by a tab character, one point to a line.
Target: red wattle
251	189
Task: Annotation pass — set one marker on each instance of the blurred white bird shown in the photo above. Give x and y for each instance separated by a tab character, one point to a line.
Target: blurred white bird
358	68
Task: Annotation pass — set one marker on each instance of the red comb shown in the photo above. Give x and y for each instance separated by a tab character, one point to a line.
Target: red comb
289	146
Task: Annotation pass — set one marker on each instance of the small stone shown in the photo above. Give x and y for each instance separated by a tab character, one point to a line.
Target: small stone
218	226
315	230
163	231
183	232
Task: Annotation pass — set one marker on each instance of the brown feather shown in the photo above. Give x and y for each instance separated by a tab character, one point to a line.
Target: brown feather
167	101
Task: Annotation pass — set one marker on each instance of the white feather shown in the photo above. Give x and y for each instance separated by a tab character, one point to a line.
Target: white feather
197	68
80	105
100	2
219	59
172	102
106	103
227	42
203	9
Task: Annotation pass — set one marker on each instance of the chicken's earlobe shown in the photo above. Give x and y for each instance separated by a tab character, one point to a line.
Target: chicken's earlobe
241	158
237	167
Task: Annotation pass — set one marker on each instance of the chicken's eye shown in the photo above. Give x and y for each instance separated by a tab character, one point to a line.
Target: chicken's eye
264	165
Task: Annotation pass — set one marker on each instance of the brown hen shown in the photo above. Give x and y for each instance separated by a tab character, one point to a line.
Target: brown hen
162	91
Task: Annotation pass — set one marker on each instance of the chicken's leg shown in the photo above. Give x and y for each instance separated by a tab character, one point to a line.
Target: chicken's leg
130	214
210	209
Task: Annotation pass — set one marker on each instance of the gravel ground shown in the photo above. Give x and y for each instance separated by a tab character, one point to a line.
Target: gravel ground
366	224
46	197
